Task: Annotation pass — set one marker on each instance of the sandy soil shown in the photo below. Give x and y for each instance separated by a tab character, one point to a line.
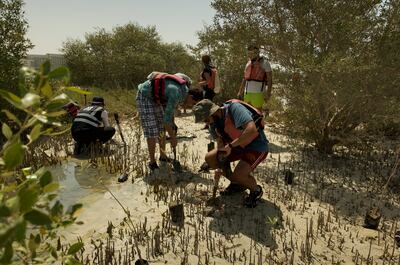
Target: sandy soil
316	220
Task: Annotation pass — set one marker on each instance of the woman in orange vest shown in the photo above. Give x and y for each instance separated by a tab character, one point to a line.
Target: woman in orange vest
207	77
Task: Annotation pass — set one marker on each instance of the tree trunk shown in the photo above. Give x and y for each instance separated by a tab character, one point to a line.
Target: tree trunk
325	145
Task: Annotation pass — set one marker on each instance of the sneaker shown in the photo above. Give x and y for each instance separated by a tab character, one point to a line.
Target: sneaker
397	238
153	166
251	200
166	159
233	188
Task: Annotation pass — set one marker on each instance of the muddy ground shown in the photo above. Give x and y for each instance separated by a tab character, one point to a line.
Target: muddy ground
317	219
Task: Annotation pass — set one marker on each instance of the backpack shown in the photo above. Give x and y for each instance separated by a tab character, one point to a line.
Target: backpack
158	86
257	115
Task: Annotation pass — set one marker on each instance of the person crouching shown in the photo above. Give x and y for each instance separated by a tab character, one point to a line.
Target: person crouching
238	128
90	125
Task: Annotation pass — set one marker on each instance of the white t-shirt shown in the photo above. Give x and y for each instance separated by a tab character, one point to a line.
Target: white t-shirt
253	86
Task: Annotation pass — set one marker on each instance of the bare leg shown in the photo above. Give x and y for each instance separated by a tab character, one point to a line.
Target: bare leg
213	163
211	158
162	144
241	175
151	145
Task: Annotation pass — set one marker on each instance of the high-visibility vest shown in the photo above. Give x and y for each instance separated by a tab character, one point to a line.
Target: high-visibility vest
89	116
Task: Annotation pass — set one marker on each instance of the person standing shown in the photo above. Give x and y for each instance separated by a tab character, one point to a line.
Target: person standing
256	86
208	78
91	124
156	101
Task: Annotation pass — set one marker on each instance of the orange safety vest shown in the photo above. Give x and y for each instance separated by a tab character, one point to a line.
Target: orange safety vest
229	126
211	81
255	72
158	86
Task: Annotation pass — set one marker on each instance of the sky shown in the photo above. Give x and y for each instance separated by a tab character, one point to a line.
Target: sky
51	22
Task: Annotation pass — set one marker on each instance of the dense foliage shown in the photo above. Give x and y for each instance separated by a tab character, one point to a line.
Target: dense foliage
336	62
124	57
30	213
13	43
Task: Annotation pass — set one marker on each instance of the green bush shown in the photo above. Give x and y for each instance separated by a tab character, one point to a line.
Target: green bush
30	214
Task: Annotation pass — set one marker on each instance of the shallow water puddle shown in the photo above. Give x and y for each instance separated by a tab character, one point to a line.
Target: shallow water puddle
80	182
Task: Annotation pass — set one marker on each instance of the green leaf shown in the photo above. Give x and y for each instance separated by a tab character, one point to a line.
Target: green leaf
75	209
78	90
6	131
75	248
41	118
55	105
57	102
20	231
35	132
52	133
56	113
12	232
57	209
45	67
47	90
52	251
32	245
28	196
6	235
40	171
11	98
12	117
60	73
13	155
7	254
46	178
26	171
67	223
30	99
13	204
51	187
37	217
51	197
72	261
31	122
4	211
38	240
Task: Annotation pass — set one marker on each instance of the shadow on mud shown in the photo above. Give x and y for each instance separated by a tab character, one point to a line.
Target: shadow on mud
256	223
